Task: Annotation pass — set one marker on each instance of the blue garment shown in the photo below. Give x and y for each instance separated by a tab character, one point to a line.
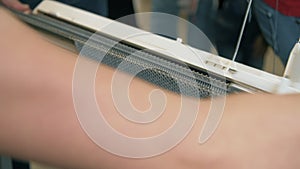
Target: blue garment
166	26
221	24
203	19
5	162
95	6
280	31
227	27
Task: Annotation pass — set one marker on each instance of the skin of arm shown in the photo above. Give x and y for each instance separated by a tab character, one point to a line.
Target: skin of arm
17	5
38	120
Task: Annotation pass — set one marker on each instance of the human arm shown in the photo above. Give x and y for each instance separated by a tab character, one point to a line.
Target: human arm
16	4
38	120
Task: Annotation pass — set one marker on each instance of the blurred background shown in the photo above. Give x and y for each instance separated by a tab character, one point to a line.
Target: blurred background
263	44
221	21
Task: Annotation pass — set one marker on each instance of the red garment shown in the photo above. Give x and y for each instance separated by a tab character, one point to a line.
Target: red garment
286	7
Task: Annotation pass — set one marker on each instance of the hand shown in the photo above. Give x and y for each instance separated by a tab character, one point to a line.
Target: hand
16	4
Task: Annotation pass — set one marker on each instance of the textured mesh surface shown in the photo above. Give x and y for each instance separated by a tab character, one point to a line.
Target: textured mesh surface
167	74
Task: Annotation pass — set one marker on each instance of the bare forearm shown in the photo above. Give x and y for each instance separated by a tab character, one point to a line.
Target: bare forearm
38	120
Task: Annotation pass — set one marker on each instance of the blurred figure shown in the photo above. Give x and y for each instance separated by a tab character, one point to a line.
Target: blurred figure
118	9
280	24
220	21
113	9
203	16
167	6
96	6
198	12
16	4
227	27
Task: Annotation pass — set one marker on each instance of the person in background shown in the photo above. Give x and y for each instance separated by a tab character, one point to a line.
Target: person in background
112	9
120	8
279	21
169	7
95	6
220	21
16	4
200	12
227	27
